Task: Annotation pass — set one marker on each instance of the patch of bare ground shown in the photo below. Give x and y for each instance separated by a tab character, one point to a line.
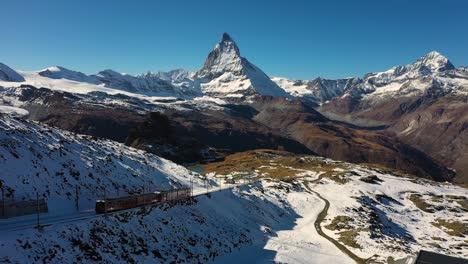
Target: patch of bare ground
277	165
340	222
453	228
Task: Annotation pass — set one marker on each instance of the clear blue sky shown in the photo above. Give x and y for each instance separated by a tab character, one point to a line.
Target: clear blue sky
295	39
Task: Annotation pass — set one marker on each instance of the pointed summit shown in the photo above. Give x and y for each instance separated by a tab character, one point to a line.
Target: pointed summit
434	62
226	37
429	64
225	57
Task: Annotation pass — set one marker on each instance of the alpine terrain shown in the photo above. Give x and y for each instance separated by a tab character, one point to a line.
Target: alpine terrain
226	164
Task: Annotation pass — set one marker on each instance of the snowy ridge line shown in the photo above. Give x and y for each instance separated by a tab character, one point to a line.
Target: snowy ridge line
83	215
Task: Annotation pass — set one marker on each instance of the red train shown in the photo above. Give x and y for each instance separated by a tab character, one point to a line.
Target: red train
127	202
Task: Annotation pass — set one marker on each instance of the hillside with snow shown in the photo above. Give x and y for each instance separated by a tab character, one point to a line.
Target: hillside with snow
375	214
53	163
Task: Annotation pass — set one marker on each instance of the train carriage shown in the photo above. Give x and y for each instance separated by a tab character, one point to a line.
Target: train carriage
128	202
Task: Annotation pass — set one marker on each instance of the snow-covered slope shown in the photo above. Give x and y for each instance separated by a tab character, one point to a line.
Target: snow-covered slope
267	220
58	165
146	84
318	90
37	159
58	72
431	63
374	213
60	83
238	226
392	215
13	111
108	81
7	74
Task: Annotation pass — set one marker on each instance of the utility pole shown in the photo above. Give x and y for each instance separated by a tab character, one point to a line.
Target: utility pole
60	147
77	197
191	185
2	187
37	210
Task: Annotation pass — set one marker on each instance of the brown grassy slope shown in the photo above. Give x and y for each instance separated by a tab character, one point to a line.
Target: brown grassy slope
343	142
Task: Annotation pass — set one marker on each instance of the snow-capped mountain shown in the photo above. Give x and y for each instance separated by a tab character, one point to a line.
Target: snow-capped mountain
107	81
417	77
406	80
429	64
58	72
226	73
432	73
317	90
146	84
7	74
178	76
423	102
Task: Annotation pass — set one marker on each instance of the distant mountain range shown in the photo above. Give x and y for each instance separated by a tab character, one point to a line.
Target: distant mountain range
226	74
423	105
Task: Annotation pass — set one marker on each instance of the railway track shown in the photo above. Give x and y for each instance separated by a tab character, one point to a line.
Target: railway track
31	221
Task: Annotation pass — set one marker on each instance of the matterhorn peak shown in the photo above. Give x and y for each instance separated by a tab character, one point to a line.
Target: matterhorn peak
434	54
226	72
226	37
225	57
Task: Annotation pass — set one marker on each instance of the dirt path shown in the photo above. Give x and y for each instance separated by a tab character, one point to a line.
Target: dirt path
319	220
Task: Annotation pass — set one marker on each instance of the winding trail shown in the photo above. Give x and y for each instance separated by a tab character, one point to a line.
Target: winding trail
321	216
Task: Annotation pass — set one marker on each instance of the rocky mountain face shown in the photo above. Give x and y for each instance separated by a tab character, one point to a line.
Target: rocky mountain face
227	74
181	131
343	142
7	74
